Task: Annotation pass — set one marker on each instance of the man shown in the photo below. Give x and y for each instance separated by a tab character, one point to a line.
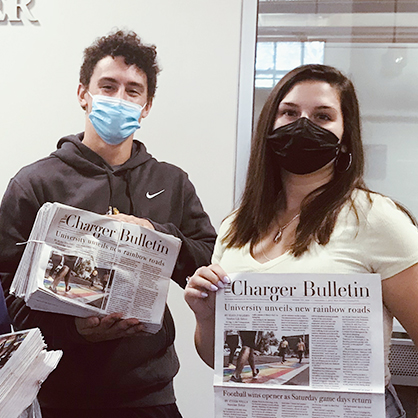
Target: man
283	348
110	367
301	348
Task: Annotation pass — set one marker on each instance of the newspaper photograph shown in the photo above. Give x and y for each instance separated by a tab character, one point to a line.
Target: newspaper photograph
9	343
80	263
311	343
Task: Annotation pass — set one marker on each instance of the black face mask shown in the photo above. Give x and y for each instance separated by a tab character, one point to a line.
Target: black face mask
302	147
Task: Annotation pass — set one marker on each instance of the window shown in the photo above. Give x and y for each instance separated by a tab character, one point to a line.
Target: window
275	59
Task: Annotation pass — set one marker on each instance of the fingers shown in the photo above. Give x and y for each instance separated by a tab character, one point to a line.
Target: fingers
133	220
201	289
129	325
83	324
220	272
195	293
110	327
207	279
124	328
135	329
110	320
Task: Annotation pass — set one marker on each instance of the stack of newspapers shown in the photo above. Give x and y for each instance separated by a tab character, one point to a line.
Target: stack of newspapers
24	365
83	264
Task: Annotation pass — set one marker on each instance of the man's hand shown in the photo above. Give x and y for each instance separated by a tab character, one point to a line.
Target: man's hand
110	327
132	220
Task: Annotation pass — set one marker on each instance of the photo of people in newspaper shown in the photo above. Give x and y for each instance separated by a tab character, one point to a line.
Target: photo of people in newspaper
9	344
78	278
266	357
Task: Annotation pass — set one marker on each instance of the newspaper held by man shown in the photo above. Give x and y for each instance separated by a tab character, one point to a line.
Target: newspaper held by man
24	365
83	264
308	345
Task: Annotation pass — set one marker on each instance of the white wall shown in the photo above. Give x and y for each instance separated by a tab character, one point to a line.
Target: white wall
192	123
385	78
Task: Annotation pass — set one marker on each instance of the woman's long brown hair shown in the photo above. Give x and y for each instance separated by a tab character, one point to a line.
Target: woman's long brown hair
262	197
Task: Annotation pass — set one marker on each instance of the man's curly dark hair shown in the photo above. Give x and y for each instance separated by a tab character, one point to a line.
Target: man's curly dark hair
127	45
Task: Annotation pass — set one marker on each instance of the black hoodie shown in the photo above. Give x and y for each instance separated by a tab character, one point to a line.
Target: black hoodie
134	371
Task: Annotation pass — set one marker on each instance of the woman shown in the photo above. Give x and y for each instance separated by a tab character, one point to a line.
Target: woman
246	355
232	341
306	209
283	348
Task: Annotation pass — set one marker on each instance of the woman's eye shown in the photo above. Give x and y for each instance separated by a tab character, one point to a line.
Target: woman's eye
289	112
323	117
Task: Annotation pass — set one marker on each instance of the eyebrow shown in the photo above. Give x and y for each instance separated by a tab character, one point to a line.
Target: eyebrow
139	86
290	104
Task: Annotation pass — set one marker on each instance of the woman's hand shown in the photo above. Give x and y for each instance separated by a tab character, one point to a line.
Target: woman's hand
201	288
200	295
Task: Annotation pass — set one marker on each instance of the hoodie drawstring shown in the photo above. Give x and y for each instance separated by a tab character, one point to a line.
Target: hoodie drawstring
127	176
109	180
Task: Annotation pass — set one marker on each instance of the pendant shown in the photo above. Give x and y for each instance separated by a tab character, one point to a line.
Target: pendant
278	236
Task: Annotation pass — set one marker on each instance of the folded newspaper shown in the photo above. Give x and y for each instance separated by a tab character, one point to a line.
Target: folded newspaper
24	365
83	264
299	345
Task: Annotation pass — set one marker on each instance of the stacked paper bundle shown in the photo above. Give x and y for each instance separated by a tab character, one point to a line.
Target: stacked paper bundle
24	365
84	264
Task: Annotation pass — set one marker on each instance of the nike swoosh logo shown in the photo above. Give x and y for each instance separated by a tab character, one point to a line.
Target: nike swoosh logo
151	196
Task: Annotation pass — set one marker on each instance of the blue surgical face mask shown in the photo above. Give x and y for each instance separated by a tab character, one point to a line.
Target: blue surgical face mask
114	119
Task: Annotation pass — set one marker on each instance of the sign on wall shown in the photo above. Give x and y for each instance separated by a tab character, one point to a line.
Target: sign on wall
15	10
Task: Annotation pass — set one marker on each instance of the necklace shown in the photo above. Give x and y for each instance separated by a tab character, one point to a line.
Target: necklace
264	254
279	234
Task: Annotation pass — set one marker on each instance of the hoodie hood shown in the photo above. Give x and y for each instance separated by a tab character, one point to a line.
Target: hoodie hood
73	152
